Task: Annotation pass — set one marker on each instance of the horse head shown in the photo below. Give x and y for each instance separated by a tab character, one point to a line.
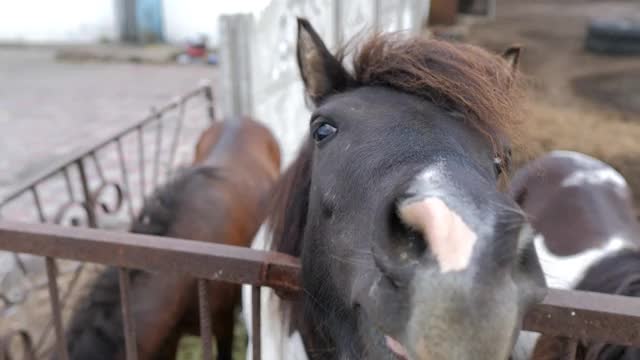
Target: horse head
409	248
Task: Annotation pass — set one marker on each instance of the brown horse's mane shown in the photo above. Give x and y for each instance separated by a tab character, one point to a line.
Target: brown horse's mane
463	78
460	77
160	209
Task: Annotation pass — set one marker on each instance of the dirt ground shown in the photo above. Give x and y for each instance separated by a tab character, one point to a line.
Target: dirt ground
578	101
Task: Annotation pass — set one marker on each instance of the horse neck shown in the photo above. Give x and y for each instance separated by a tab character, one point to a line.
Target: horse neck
221	152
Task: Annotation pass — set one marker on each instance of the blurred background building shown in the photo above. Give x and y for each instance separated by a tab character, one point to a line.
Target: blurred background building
65	21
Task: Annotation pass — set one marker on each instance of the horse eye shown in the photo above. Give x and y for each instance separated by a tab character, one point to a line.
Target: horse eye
324	131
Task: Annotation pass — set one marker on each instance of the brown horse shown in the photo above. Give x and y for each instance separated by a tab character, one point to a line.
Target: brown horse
408	247
588	238
219	199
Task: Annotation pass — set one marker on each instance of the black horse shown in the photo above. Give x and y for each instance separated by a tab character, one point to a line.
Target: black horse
409	248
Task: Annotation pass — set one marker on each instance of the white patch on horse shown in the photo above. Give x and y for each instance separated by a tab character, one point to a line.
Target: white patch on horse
594	171
277	342
564	272
434	173
450	239
591	172
578	158
595	177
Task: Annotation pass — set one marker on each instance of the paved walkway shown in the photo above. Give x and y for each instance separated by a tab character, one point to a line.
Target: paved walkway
48	108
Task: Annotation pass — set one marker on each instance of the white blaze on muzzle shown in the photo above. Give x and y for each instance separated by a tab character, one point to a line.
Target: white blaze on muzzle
448	237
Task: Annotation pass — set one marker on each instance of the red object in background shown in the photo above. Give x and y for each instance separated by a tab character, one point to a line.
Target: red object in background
196	51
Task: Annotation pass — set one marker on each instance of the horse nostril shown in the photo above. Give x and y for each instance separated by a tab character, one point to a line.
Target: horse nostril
449	239
397	256
406	243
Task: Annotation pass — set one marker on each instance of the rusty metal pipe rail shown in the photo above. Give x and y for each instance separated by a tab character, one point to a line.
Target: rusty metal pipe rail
154	254
588	316
571	314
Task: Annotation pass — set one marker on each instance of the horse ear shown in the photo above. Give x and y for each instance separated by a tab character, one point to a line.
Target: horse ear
321	72
512	56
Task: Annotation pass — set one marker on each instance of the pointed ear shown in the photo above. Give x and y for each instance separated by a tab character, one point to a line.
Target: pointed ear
321	72
512	56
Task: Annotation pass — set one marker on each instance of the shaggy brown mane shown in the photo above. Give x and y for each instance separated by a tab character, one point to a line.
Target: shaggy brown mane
458	77
461	77
288	207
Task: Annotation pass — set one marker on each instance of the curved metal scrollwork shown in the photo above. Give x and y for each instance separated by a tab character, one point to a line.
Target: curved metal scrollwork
66	208
103	204
89	207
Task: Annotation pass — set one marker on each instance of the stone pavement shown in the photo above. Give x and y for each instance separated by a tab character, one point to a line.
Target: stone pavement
49	110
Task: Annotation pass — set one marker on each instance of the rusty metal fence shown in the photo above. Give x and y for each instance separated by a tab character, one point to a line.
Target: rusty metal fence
571	314
102	186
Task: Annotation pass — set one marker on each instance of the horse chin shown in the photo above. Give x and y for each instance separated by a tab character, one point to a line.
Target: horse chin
446	324
402	353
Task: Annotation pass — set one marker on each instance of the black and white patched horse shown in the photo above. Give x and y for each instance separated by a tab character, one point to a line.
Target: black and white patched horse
409	248
588	237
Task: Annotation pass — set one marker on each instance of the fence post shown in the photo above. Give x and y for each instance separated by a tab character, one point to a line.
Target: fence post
256	323
56	309
338	30
235	96
204	311
377	9
419	14
491	9
127	320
